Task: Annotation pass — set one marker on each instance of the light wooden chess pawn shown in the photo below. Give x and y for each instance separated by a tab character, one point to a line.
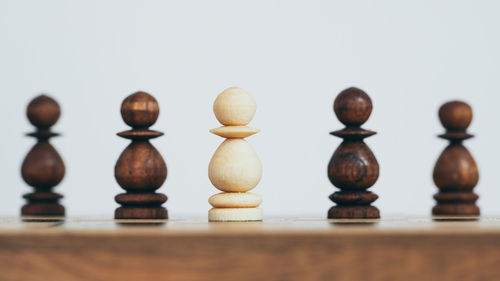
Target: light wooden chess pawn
235	168
43	168
455	173
140	170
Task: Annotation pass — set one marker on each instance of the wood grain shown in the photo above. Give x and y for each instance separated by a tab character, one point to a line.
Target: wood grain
294	250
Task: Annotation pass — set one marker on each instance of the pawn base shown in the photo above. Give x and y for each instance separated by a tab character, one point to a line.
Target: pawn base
141	206
460	210
43	204
43	210
141	213
354	212
234	214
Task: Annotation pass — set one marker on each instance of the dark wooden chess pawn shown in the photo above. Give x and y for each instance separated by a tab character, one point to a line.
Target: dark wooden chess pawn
455	173
43	168
353	167
140	170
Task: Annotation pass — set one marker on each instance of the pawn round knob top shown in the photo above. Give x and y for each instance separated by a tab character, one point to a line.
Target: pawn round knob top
234	107
43	111
455	115
352	107
140	110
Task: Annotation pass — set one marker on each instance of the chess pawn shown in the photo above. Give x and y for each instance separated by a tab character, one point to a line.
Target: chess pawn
455	173
353	168
235	168
140	170
43	168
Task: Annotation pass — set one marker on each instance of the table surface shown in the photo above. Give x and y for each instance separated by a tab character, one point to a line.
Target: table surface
395	248
290	225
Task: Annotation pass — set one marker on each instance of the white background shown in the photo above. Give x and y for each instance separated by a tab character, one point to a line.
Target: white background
293	56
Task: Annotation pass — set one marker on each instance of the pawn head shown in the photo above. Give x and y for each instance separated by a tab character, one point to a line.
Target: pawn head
455	115
43	111
140	110
234	107
352	107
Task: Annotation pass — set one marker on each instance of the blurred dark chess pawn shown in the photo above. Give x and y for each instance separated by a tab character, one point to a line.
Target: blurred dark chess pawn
140	170
353	167
43	168
455	173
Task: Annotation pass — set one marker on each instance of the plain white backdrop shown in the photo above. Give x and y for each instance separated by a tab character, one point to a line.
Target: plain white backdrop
293	56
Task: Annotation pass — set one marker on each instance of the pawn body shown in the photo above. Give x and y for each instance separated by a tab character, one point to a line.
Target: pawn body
43	167
235	168
353	168
456	173
140	169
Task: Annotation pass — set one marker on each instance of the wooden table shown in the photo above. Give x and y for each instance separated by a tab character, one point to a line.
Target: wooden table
276	249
